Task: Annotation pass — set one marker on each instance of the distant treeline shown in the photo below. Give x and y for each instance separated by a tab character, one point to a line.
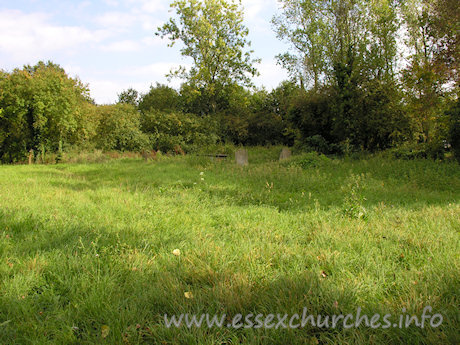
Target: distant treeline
44	110
350	90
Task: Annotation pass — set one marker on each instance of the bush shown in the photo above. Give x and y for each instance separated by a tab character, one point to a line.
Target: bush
309	160
119	129
454	132
317	143
434	150
409	151
169	130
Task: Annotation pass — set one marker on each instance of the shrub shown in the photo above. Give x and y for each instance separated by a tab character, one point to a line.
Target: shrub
434	150
309	160
119	129
169	130
454	132
317	143
160	98
409	151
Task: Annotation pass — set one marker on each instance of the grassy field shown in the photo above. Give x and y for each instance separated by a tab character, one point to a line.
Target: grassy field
86	250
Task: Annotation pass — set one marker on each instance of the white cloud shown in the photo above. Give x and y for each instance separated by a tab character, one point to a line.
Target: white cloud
147	6
152	72
105	89
153	6
72	70
271	74
116	20
29	37
152	41
258	14
113	3
252	8
122	46
150	23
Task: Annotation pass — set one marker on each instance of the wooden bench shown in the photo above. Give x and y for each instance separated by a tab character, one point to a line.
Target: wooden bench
217	155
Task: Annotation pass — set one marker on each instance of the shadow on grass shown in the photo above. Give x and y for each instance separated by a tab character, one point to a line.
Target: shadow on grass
239	188
85	279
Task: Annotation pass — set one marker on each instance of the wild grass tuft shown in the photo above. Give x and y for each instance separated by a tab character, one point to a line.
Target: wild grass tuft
88	252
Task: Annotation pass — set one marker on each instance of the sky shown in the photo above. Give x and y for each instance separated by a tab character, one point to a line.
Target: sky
110	44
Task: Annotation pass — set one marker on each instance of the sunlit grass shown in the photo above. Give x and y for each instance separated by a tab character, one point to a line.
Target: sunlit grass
87	246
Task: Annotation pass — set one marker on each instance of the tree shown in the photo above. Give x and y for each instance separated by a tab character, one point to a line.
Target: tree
323	34
445	29
214	36
432	63
129	96
160	97
40	106
56	100
341	50
119	128
16	122
454	131
302	25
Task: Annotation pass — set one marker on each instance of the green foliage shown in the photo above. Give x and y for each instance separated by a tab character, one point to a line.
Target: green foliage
161	97
168	130
317	143
454	133
370	117
89	246
129	96
265	124
354	198
409	151
214	36
444	31
434	150
234	127
119	128
309	160
40	108
311	113
431	77
260	117
376	117
323	33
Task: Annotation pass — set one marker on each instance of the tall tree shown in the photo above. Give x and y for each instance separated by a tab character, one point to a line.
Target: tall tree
432	62
327	35
302	25
41	106
445	30
160	97
214	36
129	96
350	48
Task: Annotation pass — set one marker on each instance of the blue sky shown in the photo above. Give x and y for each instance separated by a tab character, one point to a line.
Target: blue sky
110	44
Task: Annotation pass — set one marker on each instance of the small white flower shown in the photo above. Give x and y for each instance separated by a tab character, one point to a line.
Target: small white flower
202	179
202	173
97	255
176	252
188	295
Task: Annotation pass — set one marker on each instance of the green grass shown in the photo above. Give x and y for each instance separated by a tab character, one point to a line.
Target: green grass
87	246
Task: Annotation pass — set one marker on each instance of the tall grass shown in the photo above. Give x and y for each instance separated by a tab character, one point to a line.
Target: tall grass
86	249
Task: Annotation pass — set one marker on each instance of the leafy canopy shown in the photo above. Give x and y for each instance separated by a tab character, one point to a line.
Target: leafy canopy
213	35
